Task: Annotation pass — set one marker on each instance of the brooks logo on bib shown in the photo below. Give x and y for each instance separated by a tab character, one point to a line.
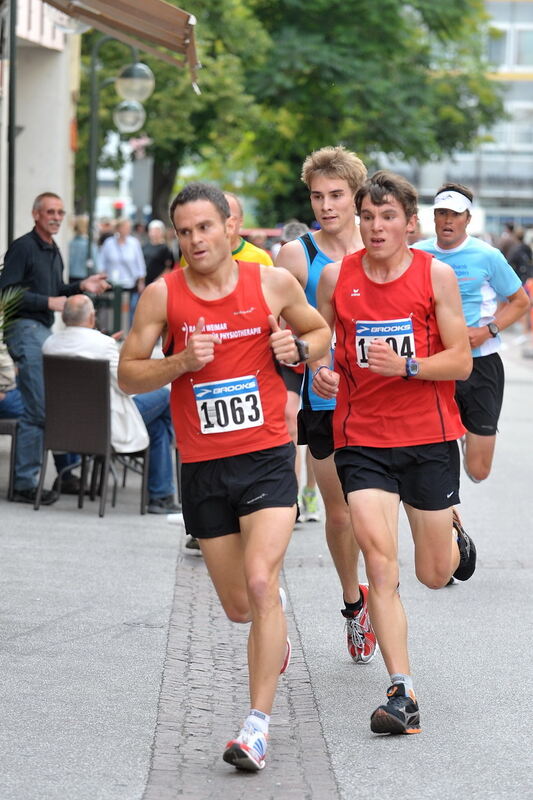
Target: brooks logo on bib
398	333
229	405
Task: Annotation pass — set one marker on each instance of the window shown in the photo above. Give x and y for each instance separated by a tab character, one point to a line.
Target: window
497	47
524	47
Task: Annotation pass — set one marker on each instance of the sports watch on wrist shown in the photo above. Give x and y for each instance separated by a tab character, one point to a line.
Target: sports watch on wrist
412	367
493	329
303	350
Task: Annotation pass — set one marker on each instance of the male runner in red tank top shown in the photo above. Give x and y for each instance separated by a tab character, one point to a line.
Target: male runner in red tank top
218	319
401	342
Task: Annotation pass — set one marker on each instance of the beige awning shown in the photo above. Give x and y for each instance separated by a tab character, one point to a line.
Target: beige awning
154	26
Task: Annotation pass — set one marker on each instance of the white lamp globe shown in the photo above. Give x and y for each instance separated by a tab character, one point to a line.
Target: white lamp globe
135	82
129	116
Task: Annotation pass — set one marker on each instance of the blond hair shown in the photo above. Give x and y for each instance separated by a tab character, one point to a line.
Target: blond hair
334	162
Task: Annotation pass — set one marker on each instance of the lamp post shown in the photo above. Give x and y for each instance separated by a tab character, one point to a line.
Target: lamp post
135	82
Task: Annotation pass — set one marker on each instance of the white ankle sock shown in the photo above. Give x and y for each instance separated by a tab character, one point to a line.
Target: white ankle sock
258	720
399	677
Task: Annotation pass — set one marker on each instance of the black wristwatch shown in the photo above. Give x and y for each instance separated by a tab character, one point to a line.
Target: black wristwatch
303	350
412	367
493	329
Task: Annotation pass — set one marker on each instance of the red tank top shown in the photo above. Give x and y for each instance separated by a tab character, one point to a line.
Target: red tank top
372	410
235	404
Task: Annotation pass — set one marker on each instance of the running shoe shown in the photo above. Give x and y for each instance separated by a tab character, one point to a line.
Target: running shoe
247	751
311	511
360	636
399	715
288	651
192	543
467	551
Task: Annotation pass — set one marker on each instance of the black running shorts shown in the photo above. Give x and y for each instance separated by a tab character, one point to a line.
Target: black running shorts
426	476
216	493
315	429
292	378
480	397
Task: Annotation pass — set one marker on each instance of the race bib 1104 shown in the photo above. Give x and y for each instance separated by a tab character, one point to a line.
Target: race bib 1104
229	405
398	333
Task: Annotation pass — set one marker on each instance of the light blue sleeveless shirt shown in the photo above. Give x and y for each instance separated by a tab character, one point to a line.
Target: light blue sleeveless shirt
316	261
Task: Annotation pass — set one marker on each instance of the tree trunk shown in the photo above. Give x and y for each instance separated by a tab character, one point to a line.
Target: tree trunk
163	177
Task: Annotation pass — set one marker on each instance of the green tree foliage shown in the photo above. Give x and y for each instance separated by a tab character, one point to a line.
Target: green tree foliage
179	122
283	77
403	79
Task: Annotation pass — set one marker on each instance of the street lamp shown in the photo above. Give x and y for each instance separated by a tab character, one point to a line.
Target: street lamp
129	116
135	82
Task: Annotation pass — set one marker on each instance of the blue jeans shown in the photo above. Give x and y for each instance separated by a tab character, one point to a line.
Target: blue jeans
154	408
11	407
24	340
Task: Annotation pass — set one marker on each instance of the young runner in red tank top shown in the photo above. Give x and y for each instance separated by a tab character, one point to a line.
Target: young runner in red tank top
401	343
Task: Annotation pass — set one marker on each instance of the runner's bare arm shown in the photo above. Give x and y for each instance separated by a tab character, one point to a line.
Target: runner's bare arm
326	381
137	371
292	256
508	312
286	298
452	363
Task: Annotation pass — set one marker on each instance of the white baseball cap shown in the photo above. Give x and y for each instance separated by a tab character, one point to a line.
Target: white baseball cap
455	201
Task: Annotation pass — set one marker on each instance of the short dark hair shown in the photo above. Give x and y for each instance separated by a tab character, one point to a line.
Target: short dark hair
383	184
456	187
201	191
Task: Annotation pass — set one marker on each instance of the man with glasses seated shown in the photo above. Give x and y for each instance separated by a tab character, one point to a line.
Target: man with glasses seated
33	262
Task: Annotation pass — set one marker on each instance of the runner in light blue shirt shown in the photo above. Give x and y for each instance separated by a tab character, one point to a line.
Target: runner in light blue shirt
493	299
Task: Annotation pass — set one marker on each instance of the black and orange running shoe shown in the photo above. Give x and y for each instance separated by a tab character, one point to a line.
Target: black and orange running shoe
467	551
399	715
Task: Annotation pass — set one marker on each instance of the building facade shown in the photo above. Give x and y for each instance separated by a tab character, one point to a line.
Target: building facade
47	80
500	171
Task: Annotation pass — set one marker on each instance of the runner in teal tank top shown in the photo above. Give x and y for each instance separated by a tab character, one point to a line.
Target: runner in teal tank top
333	175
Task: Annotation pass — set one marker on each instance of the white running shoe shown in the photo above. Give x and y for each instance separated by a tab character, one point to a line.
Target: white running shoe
247	751
311	511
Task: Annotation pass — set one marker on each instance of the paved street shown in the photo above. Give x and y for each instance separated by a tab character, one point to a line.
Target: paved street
123	681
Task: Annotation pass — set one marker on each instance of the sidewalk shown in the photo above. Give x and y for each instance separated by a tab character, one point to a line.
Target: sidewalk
123	680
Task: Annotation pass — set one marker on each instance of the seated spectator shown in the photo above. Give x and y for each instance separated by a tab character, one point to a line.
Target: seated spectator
134	420
157	254
11	404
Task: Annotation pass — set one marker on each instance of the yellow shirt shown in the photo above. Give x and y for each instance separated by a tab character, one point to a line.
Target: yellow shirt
246	251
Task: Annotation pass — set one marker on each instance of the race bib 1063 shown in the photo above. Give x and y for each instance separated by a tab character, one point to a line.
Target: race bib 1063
398	333
229	405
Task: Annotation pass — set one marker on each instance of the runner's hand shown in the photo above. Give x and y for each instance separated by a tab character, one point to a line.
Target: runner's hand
200	348
282	343
384	361
326	383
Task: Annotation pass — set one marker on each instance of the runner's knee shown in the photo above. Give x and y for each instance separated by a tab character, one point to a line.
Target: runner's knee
434	576
237	607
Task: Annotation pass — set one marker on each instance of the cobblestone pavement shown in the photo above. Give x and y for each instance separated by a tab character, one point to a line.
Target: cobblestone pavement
204	697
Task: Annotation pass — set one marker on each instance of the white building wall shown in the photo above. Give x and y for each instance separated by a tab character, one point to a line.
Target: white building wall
47	78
